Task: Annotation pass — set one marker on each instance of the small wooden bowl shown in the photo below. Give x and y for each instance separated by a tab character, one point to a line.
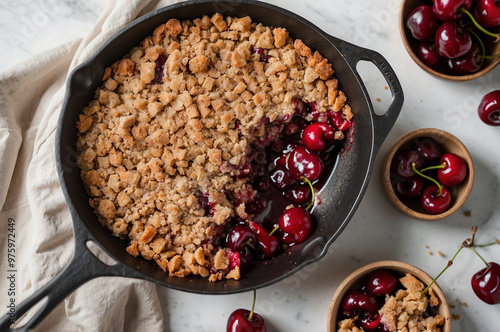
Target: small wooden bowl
459	192
411	45
399	269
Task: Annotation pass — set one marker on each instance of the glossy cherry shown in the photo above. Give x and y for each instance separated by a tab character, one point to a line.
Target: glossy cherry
381	282
428	148
281	177
297	222
408	188
370	324
298	194
468	63
243	320
268	243
355	302
239	237
401	164
422	22
315	135
240	258
452	41
451	10
486	283
487	13
489	108
304	163
429	56
435	201
454	170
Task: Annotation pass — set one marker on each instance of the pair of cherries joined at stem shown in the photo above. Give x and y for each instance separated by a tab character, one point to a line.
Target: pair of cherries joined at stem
407	169
444	31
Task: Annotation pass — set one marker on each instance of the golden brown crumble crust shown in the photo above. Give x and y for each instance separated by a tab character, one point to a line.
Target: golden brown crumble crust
148	150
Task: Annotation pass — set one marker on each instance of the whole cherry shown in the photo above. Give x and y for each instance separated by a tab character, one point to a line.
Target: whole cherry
298	194
355	302
451	10
489	108
454	169
315	134
381	282
239	237
435	200
297	222
401	164
268	243
429	56
452	41
428	148
486	283
303	163
468	63
408	188
422	22
243	320
487	13
281	177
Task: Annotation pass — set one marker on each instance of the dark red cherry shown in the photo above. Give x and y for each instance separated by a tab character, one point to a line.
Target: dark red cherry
381	282
261	184
433	202
371	324
298	194
304	163
315	134
401	165
486	283
255	206
429	56
240	258
296	222
291	128
468	63
239	321
408	188
268	243
355	302
452	41
239	237
450	10
489	108
454	171
422	22
281	177
428	148
487	13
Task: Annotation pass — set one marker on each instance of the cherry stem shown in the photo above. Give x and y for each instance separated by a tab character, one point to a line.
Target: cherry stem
428	178
249	243
489	33
274	230
253	305
484	261
312	191
471	245
450	263
443	165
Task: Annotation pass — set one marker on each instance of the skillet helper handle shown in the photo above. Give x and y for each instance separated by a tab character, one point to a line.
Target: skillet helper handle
383	123
81	268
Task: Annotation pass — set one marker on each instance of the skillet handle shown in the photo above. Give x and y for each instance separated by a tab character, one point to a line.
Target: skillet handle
383	123
82	267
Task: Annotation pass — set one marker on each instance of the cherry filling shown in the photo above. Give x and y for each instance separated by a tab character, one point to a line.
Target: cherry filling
285	169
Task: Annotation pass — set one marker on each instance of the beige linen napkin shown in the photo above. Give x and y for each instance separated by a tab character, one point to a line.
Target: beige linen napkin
31	199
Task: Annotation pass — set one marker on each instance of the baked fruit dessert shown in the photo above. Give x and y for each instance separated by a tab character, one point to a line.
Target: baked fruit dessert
197	132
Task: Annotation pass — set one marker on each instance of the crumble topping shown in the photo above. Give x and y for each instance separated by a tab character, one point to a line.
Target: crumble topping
164	146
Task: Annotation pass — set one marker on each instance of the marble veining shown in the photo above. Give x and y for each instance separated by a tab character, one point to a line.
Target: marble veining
377	231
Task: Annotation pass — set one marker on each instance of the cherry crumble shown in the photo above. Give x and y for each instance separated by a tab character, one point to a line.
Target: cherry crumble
200	134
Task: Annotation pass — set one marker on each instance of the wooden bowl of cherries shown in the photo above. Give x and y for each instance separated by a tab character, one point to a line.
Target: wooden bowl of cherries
452	39
427	174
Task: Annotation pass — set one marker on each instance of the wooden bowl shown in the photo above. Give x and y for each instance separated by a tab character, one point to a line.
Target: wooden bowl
411	45
459	192
399	269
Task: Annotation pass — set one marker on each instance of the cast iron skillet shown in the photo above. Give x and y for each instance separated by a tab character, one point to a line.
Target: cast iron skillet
340	197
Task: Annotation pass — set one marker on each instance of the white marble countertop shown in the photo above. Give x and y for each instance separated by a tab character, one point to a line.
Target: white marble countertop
377	231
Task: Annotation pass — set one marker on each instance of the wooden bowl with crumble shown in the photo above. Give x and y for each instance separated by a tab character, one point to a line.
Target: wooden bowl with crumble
381	294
